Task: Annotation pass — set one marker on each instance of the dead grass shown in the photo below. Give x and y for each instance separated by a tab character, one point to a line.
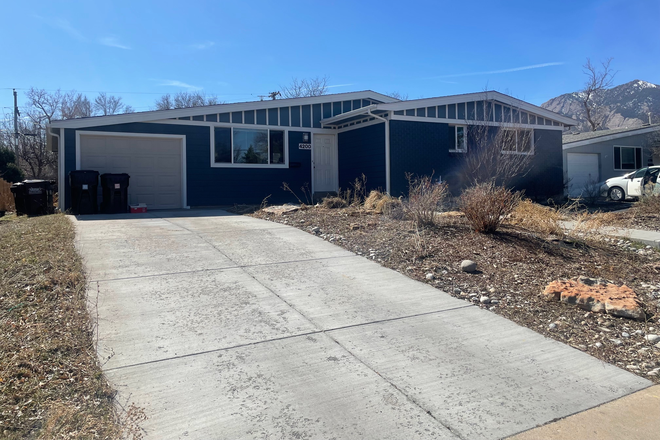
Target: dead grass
51	385
543	220
380	203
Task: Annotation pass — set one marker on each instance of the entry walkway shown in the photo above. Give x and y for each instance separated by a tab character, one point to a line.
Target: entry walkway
229	327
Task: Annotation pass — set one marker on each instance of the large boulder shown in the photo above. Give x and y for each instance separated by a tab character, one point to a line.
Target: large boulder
596	295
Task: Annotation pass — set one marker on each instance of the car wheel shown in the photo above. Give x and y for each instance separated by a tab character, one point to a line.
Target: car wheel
616	194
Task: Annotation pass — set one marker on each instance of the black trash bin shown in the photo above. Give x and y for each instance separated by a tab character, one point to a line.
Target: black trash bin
84	188
33	197
115	193
18	189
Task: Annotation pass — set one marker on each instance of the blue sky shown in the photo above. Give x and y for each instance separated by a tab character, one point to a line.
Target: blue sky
241	49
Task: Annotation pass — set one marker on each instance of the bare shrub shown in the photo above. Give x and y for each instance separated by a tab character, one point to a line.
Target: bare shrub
486	205
357	193
537	218
306	193
425	198
334	203
648	204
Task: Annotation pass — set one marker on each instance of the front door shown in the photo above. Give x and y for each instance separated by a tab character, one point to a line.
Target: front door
324	163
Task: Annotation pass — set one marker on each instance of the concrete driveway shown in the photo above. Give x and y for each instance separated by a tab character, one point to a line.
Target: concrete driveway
229	327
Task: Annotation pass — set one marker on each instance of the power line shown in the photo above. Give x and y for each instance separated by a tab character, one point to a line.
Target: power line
126	93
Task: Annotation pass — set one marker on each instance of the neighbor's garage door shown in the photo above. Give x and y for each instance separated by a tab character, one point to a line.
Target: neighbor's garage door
154	165
582	170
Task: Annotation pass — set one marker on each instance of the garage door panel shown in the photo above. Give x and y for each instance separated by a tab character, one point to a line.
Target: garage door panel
154	166
582	172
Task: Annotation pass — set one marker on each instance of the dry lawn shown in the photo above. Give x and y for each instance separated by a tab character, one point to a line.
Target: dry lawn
51	385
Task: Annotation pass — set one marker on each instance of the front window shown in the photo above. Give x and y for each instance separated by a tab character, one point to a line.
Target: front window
459	144
248	146
627	158
519	141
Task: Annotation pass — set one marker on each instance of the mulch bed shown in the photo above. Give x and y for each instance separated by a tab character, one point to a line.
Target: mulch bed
514	267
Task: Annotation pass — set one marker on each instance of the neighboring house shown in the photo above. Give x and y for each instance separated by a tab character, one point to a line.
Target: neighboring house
596	156
243	152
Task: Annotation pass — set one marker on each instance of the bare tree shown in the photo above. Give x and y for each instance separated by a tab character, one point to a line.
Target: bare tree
598	80
397	95
185	100
494	153
75	105
299	88
110	105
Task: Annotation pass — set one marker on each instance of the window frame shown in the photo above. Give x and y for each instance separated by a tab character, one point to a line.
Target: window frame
532	149
637	165
455	148
232	164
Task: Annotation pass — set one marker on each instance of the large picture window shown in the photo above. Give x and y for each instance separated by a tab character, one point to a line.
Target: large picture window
627	158
248	146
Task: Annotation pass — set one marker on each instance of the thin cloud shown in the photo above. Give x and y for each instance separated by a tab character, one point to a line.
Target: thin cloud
202	46
494	72
113	42
63	25
339	85
175	83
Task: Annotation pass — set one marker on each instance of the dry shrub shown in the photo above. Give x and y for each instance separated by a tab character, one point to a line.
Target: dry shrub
486	205
537	218
381	203
357	193
334	203
649	204
425	198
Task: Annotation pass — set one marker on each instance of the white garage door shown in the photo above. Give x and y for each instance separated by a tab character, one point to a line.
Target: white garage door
154	165
582	172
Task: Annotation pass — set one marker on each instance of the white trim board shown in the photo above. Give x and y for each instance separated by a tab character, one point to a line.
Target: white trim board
237	125
605	138
219	108
473	122
182	138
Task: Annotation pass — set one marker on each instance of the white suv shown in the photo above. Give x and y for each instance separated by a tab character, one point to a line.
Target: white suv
633	184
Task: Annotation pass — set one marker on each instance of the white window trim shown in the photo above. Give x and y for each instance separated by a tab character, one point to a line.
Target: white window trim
525	153
637	166
268	166
457	150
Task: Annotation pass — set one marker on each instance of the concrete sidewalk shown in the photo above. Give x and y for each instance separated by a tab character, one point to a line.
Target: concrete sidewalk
649	238
224	326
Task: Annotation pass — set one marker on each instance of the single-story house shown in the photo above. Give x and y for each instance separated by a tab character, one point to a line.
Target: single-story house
599	155
244	152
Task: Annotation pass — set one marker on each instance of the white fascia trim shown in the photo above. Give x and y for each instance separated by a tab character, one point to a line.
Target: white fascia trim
480	96
610	137
358	126
220	108
471	122
182	138
230	124
352	113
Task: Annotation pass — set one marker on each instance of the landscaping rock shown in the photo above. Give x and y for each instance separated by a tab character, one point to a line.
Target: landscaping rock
653	338
281	209
597	296
484	300
430	276
316	230
468	266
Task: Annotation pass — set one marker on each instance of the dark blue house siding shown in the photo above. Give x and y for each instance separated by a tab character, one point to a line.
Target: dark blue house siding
546	174
423	149
208	186
362	151
420	148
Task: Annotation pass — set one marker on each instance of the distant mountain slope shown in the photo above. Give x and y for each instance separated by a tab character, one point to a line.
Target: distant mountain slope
627	105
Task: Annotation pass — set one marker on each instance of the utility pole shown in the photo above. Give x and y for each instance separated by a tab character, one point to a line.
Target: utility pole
16	113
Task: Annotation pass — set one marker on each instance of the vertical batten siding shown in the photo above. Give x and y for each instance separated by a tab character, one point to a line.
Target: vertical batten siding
546	174
207	186
362	151
419	148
